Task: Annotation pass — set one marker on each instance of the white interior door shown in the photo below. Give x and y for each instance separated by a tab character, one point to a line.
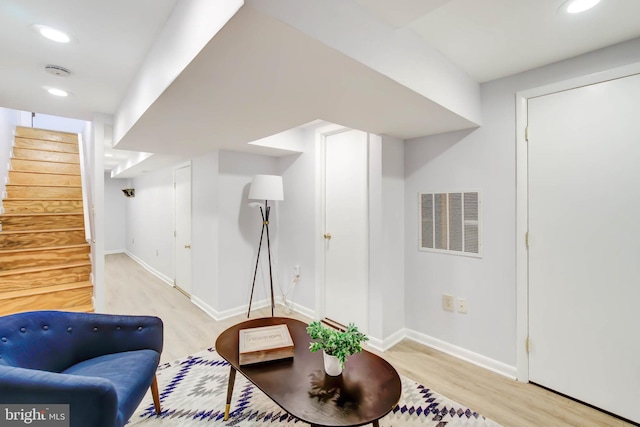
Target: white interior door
183	228
584	246
346	221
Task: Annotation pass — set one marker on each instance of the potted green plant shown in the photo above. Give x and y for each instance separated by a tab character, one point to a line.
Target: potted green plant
336	345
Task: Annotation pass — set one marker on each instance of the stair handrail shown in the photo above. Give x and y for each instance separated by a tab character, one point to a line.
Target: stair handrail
88	224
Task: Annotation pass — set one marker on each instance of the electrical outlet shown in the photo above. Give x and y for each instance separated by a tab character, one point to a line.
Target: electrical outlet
447	302
462	305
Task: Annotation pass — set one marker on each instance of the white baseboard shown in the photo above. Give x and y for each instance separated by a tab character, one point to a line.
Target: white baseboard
375	343
116	251
464	354
386	343
164	278
301	309
221	315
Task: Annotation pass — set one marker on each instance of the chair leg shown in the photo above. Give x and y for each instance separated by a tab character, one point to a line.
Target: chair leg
154	393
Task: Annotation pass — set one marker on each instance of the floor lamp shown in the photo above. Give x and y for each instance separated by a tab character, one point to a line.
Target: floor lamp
265	187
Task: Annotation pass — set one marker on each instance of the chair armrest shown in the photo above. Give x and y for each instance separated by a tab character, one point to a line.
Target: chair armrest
92	401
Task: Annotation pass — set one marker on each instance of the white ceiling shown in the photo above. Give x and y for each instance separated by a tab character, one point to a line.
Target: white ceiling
490	39
109	42
267	71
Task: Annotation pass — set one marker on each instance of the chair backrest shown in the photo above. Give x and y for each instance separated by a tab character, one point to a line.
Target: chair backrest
55	340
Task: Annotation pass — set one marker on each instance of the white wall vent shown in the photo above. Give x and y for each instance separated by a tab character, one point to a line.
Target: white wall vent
450	222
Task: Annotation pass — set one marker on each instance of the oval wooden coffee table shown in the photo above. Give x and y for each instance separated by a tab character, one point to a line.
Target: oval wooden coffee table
368	389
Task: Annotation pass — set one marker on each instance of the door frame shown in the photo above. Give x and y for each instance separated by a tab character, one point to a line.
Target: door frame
175	225
522	199
320	219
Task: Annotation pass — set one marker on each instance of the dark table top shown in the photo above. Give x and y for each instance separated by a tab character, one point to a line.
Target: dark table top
367	390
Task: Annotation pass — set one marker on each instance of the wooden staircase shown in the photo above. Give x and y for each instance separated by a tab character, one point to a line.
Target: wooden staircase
44	255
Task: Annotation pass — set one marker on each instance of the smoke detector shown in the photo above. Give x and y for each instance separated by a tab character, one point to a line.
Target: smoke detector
57	70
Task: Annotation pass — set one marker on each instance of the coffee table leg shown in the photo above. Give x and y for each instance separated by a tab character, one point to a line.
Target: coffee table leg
375	423
232	380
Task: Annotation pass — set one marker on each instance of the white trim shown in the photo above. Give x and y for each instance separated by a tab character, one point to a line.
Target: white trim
115	251
93	296
186	164
522	197
386	343
84	187
150	269
522	256
301	309
375	343
222	315
463	354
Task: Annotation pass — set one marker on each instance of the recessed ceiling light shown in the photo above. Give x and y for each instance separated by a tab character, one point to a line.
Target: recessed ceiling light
57	92
577	6
52	34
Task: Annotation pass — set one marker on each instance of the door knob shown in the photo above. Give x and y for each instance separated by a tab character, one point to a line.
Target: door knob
327	236
187	246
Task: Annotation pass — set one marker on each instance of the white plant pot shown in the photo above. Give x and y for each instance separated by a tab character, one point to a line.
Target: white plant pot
331	365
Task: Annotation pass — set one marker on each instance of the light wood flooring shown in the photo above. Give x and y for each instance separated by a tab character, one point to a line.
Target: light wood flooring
133	290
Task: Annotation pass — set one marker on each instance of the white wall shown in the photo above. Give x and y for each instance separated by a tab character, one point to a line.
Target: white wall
482	159
297	224
386	240
149	222
239	231
115	211
93	137
8	120
205	250
45	121
393	238
225	229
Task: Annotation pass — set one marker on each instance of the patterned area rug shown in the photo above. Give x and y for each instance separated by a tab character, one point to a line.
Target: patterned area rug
193	392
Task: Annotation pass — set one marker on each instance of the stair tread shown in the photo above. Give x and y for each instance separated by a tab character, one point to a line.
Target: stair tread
42	214
22	159
44	268
35	138
25	139
43	185
40	199
53	230
27	131
49	150
39	160
44	173
44	290
47	248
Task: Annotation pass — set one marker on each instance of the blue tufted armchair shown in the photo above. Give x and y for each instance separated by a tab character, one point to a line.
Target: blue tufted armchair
99	364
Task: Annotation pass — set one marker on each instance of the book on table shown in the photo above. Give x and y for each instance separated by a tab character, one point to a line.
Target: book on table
265	344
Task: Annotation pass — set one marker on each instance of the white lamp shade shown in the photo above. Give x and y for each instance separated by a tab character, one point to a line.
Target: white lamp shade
266	187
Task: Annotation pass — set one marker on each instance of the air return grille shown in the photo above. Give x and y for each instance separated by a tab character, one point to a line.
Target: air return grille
450	222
